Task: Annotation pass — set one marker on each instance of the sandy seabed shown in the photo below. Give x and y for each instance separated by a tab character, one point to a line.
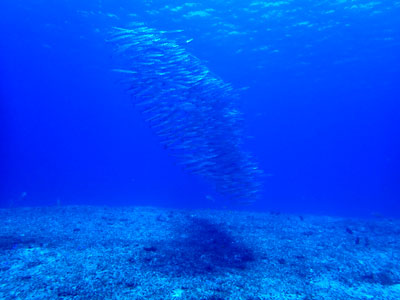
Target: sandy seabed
82	252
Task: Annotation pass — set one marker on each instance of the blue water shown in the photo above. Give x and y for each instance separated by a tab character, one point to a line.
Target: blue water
321	103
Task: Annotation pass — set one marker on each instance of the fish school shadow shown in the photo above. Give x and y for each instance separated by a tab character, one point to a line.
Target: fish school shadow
199	247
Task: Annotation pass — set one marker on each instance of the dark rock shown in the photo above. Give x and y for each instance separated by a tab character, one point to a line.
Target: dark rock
150	249
281	261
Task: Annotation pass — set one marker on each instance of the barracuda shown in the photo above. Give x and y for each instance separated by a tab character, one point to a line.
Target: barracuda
193	111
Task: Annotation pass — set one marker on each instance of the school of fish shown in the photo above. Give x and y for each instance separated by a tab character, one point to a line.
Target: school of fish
192	110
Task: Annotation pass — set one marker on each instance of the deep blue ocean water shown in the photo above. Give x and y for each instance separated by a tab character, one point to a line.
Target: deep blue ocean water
321	103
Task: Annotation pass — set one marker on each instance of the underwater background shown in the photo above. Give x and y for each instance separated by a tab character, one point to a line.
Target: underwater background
320	85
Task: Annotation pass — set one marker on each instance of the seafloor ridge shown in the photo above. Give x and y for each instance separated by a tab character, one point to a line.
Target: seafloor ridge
150	253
